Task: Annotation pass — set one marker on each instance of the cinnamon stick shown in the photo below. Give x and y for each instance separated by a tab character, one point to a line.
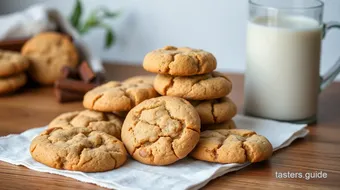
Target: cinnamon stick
74	85
70	73
85	72
67	96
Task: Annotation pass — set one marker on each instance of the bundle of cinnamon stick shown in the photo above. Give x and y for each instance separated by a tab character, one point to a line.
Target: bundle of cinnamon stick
75	82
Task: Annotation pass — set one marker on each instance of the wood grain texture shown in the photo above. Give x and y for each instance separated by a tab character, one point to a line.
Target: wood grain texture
319	151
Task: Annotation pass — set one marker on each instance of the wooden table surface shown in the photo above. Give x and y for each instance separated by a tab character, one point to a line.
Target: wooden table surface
319	151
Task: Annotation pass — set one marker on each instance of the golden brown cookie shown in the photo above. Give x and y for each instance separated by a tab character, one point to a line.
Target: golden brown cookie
162	130
98	121
116	96
215	111
12	83
232	146
48	52
201	87
141	79
12	63
182	61
79	149
225	125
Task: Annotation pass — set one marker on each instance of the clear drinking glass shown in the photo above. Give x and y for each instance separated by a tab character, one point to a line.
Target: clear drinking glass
282	78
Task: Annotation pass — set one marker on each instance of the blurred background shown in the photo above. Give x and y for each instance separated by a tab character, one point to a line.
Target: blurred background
217	26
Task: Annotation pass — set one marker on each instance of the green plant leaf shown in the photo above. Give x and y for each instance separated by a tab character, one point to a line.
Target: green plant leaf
110	38
94	20
91	22
106	13
76	14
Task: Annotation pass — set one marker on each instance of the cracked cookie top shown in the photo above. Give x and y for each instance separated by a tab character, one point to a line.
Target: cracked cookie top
99	121
232	146
79	149
162	130
141	79
117	96
225	125
48	53
12	63
200	87
215	111
183	61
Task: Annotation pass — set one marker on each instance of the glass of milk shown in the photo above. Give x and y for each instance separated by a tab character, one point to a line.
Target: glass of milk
284	40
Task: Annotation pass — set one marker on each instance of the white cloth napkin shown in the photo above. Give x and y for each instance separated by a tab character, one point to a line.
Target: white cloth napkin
184	174
26	23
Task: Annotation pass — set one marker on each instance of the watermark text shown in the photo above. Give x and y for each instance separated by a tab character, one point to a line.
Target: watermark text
301	175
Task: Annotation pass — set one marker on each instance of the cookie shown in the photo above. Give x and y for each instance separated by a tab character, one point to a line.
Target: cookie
225	125
12	83
98	121
116	96
232	146
215	111
12	63
201	87
48	53
140	79
182	61
79	149
161	130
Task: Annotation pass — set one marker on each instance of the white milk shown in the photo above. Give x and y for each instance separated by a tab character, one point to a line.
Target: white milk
282	75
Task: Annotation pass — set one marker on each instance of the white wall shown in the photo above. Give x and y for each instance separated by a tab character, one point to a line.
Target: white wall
218	26
150	24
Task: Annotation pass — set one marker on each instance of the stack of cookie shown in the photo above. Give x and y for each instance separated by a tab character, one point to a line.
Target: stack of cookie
189	73
163	130
12	71
89	140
